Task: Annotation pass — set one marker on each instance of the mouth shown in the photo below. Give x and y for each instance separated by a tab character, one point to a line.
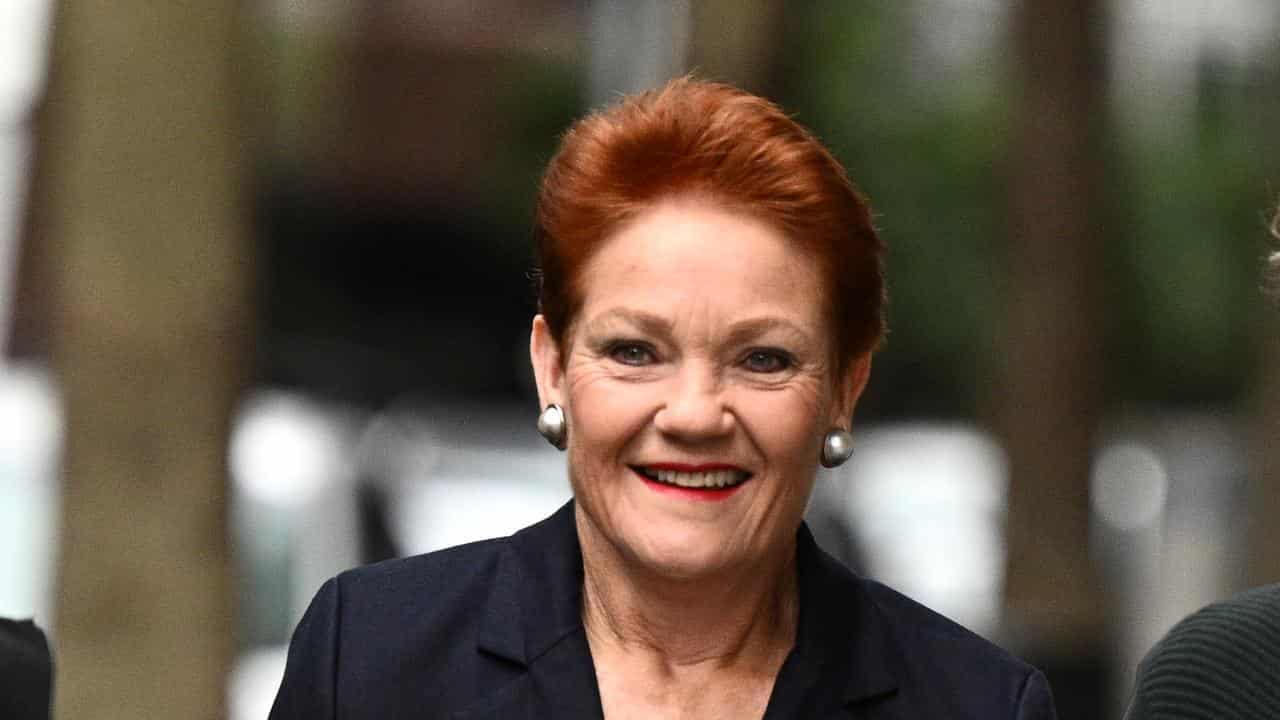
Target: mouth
711	480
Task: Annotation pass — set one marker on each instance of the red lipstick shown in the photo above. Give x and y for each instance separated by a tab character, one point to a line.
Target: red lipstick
704	494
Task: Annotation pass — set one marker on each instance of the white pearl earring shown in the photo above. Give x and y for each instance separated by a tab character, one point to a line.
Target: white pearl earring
837	446
552	426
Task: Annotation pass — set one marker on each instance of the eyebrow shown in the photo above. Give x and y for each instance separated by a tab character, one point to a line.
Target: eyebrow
658	325
646	321
754	327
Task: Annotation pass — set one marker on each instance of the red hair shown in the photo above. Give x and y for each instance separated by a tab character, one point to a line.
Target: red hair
715	141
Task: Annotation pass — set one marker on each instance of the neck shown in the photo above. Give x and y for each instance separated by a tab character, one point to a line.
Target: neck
744	617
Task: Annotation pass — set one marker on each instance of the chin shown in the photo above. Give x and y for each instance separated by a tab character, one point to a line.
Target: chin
681	550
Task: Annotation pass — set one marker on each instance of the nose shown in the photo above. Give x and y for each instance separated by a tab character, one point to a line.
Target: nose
694	407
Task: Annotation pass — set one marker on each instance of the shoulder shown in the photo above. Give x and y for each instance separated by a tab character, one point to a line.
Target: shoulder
440	575
912	660
906	658
426	606
1253	614
26	669
1256	606
372	634
949	669
917	626
1251	617
1225	651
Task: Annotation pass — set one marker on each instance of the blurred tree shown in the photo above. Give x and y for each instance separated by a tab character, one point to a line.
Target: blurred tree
921	137
1130	283
737	41
1263	530
1181	273
1264	503
1186	325
1047	407
149	262
399	212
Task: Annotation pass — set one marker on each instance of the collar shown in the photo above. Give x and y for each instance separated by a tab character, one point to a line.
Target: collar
536	599
844	648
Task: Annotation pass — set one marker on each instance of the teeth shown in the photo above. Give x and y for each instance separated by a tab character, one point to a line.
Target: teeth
713	479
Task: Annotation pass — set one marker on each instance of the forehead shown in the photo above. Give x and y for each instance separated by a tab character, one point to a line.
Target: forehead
684	256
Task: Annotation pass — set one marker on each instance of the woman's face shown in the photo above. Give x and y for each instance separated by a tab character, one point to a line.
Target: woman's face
701	356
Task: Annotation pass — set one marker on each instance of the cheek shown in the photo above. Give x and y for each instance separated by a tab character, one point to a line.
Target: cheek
788	424
604	414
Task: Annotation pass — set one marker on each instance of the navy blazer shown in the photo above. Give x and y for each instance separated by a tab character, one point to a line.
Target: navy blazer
26	671
493	629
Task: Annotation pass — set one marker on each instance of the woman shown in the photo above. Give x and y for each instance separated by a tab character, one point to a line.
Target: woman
710	298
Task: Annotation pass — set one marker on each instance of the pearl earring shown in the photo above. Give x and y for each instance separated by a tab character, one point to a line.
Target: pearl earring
552	426
837	446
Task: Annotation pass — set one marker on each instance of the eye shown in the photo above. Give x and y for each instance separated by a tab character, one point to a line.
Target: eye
631	353
767	361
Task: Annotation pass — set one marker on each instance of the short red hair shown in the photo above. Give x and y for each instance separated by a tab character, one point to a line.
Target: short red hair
710	140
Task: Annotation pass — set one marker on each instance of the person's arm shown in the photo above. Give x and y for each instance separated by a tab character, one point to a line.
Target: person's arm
308	691
1036	699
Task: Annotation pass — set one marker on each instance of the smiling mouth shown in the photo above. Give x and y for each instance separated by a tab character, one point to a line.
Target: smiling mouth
710	479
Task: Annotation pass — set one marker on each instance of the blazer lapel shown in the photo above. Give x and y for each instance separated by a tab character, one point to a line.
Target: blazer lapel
845	663
533	620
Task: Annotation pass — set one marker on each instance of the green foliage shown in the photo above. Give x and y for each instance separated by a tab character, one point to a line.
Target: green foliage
1183	207
925	150
542	97
1185	260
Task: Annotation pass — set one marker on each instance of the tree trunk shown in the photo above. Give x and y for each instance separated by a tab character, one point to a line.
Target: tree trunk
148	255
1264	490
1046	402
741	42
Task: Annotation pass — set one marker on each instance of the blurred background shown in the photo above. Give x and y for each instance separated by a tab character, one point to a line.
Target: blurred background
264	305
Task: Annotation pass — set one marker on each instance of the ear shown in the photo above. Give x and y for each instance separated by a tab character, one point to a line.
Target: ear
849	387
548	370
